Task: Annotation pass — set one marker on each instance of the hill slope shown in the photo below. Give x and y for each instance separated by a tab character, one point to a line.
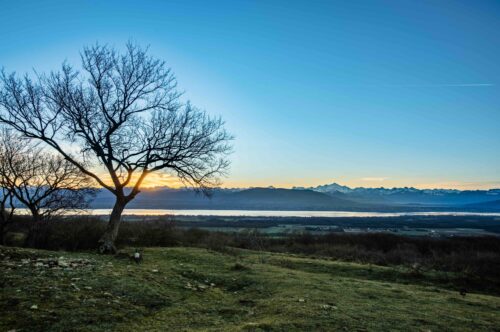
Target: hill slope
485	206
255	198
187	289
288	199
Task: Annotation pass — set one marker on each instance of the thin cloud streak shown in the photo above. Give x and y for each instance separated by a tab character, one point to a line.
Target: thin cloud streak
444	85
460	85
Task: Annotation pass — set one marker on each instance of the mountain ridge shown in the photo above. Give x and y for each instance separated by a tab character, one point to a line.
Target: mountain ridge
365	199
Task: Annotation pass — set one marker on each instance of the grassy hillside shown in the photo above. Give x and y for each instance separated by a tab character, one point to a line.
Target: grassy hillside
189	289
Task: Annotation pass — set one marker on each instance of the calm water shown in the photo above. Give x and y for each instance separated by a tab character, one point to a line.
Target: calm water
257	213
262	213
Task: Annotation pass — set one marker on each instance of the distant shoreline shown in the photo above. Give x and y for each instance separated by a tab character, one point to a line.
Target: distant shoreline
274	213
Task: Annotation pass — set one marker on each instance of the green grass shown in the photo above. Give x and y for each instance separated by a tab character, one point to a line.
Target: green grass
190	289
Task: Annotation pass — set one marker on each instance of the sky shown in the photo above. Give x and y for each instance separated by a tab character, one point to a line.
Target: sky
363	93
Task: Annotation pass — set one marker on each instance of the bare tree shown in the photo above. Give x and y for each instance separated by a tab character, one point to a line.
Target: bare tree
45	183
124	113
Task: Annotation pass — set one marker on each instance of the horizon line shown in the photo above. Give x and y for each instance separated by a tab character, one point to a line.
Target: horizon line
312	187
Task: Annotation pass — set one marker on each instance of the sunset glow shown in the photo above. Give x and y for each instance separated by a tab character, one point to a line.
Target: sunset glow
404	95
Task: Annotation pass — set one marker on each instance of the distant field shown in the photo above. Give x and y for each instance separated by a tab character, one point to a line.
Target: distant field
419	225
281	223
190	289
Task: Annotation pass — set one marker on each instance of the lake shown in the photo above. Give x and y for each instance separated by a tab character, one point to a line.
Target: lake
260	213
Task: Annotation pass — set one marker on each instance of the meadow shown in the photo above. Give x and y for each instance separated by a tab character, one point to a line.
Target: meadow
197	289
194	279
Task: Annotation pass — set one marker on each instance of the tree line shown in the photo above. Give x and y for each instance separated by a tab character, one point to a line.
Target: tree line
110	123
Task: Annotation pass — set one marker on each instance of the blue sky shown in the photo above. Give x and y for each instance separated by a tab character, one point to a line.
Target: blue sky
372	93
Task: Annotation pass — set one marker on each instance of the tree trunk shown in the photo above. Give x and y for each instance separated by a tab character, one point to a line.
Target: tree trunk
107	241
33	230
2	233
3	223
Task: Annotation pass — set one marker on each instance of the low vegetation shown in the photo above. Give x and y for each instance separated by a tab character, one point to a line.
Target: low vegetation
197	280
474	260
196	289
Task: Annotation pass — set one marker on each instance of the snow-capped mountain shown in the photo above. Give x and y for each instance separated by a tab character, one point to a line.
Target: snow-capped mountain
326	188
410	195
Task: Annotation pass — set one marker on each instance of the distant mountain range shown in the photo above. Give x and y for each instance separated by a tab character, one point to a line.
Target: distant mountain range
412	196
333	197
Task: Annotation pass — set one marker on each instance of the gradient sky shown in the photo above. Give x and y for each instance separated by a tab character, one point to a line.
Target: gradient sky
364	93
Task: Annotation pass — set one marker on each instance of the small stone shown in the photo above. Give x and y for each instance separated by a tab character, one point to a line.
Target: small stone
62	263
328	307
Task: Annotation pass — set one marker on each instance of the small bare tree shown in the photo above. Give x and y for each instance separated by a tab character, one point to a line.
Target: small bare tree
45	183
123	112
